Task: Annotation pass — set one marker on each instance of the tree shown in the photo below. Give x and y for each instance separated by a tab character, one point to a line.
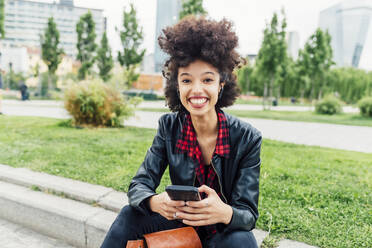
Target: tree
192	7
50	52
244	77
272	55
104	59
315	60
131	38
2	16
86	45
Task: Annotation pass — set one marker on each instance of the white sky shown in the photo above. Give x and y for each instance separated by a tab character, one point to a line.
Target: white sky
249	17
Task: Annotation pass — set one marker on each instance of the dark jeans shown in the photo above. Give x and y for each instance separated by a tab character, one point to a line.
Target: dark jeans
131	224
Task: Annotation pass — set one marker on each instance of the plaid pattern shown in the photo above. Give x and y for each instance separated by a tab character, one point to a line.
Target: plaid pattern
205	174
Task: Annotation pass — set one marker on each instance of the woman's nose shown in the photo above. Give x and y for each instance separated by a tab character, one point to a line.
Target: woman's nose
198	86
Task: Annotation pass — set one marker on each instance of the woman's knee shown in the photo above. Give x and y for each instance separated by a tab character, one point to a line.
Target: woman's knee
127	215
123	228
237	239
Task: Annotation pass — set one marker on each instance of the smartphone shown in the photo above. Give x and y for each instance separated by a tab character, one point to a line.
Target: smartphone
183	193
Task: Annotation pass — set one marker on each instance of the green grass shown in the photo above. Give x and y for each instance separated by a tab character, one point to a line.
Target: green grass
282	102
315	195
304	116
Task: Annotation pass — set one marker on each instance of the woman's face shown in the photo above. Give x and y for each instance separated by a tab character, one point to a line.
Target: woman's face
199	85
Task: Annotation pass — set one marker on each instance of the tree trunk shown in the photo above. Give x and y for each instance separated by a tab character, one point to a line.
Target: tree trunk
302	95
49	82
271	91
320	94
264	96
247	80
247	87
312	93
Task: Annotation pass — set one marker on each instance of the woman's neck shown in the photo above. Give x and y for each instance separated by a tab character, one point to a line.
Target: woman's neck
205	125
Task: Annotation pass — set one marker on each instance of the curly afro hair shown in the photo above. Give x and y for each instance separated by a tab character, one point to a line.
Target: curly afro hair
198	38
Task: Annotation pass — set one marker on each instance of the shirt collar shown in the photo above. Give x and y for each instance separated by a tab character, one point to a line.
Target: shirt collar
188	142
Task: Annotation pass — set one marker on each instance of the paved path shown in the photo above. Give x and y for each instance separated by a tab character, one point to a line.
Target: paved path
258	107
353	138
161	104
16	236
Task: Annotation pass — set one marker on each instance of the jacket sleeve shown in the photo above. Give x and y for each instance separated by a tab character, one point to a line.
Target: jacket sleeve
246	189
147	179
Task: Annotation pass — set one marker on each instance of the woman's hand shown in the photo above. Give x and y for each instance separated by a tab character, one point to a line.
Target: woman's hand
164	206
208	211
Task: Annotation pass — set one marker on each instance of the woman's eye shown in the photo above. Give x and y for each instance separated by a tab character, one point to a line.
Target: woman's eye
208	80
186	81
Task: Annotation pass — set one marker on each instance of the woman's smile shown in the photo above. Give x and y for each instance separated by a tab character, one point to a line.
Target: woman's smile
198	102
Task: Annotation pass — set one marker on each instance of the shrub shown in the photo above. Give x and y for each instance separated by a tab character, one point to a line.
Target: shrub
93	103
330	105
365	106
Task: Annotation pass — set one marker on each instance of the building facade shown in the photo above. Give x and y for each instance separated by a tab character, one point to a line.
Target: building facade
293	41
167	14
350	25
26	20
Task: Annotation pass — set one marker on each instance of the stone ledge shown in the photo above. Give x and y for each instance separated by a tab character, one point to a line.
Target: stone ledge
77	223
73	189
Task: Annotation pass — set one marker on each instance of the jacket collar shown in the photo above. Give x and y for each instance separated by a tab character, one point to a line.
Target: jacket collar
187	141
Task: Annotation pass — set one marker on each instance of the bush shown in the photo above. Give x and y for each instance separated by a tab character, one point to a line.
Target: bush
93	103
365	106
330	105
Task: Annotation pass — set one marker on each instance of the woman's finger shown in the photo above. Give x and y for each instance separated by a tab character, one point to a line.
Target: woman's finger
193	210
170	210
200	204
194	217
171	203
196	223
205	189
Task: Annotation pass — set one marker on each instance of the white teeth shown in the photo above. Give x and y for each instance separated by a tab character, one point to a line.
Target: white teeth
198	100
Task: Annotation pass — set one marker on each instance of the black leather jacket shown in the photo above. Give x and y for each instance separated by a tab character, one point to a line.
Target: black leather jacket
238	175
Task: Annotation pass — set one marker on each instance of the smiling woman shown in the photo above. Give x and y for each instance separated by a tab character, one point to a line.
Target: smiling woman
202	145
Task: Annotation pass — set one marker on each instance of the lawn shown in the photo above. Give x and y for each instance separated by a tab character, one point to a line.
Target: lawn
303	116
315	195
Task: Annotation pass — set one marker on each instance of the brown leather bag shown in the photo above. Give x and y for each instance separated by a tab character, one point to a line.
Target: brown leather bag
184	237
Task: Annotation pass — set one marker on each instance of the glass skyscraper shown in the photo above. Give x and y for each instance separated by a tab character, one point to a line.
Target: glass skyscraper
167	13
25	21
350	25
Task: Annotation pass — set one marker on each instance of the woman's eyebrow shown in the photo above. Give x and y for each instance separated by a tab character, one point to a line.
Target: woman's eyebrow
208	72
185	74
188	74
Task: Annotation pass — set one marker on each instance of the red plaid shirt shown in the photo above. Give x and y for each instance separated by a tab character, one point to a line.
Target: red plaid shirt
205	174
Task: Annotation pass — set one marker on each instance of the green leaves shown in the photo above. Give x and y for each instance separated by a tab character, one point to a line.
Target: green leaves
272	56
315	60
192	7
131	38
86	45
104	59
51	53
2	16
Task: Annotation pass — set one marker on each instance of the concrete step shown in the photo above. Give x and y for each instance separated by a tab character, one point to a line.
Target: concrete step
17	236
77	223
72	189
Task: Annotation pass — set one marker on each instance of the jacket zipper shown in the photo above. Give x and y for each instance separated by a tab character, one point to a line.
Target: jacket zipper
219	182
194	179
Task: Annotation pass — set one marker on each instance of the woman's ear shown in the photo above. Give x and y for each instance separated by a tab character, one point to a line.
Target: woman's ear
221	90
222	84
